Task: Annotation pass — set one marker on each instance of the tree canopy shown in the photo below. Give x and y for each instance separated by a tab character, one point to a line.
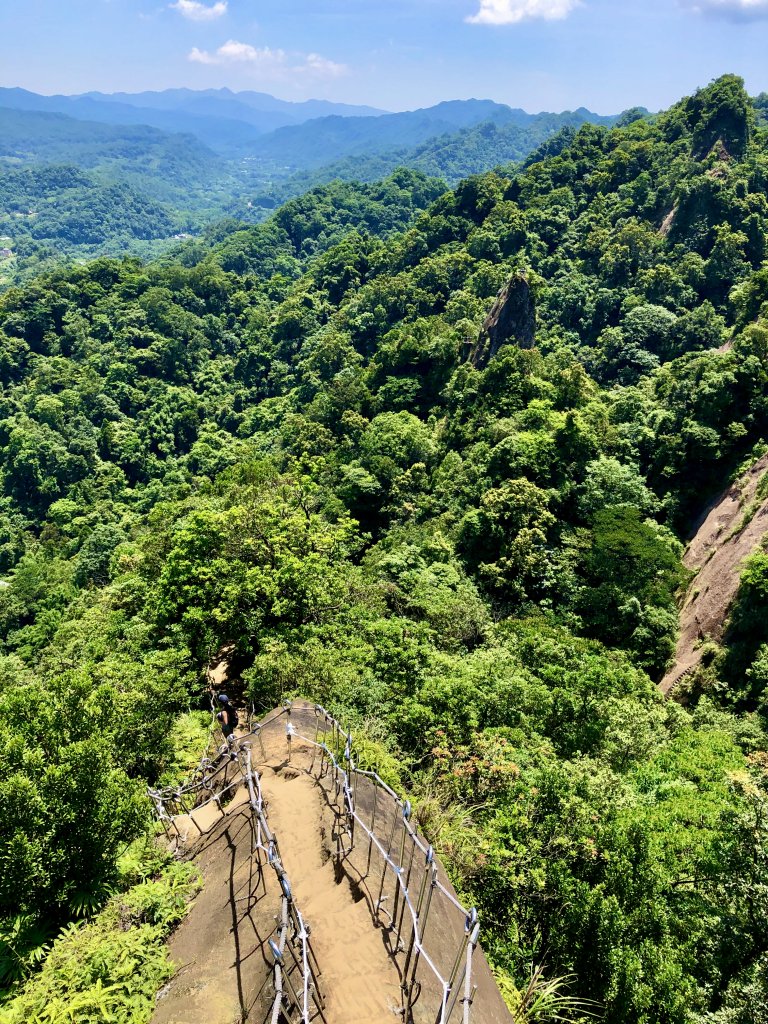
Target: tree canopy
275	440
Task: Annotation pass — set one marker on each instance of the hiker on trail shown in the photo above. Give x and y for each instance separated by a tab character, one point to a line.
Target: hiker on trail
228	719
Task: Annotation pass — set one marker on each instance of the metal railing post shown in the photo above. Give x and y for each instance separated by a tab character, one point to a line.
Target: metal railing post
399	880
288	728
380	900
469	988
470	925
419	903
422	931
373	827
406	888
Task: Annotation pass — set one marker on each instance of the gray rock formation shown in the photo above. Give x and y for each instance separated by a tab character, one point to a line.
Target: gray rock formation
511	319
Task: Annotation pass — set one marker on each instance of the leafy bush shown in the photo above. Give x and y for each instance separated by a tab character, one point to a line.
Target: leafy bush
111	967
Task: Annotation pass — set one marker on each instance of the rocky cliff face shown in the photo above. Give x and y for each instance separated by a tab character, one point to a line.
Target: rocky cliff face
733	529
511	319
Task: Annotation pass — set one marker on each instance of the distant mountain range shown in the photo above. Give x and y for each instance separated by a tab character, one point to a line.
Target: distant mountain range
453	156
366	151
161	164
313	143
294	136
240	106
228	122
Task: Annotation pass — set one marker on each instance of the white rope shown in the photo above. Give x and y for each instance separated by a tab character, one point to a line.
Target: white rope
266	842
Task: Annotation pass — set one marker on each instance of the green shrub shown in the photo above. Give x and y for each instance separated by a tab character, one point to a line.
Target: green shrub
109	968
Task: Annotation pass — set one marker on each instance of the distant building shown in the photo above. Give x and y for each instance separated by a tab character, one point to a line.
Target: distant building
5	253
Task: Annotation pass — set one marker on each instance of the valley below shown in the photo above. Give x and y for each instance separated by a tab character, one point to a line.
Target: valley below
452	421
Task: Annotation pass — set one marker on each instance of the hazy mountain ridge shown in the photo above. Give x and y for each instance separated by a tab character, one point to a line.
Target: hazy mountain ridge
207	155
301	110
229	122
329	138
262	126
454	155
222	133
28	136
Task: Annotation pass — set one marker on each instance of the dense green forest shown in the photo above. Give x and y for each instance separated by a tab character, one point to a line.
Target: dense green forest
53	211
73	189
450	157
299	439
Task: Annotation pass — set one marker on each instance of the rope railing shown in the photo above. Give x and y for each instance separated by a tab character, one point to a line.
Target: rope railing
210	781
292	954
375	839
411	904
293	933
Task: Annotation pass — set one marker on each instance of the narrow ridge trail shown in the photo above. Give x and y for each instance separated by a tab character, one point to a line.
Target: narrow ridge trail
224	948
359	980
221	946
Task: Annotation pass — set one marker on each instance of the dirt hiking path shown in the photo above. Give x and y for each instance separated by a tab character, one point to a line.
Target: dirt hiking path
716	553
225	974
222	949
359	980
221	946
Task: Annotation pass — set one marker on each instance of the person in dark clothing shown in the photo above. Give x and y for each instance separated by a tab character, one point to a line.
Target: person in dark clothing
227	718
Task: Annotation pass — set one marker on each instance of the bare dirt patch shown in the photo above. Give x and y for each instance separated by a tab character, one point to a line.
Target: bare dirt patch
666	224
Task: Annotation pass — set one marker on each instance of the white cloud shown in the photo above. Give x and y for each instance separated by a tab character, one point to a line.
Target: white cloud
233	52
736	10
321	67
200	12
276	63
510	12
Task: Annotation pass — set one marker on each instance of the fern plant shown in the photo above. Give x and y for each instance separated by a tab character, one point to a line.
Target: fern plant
108	969
24	942
545	1000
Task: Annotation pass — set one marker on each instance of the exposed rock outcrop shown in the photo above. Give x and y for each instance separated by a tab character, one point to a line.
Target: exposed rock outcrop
732	530
511	319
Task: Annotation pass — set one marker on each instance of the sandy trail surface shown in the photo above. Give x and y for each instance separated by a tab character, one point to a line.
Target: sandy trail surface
717	552
359	980
225	965
225	974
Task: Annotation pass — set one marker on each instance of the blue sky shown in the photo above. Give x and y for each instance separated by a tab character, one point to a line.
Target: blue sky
396	54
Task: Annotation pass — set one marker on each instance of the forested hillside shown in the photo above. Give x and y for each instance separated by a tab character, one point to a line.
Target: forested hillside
168	162
452	156
462	533
332	138
71	188
52	212
147	172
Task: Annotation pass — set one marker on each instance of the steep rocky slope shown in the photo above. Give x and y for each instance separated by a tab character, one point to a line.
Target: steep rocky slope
733	528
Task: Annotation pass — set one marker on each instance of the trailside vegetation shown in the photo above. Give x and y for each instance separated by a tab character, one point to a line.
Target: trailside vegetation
282	441
110	967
